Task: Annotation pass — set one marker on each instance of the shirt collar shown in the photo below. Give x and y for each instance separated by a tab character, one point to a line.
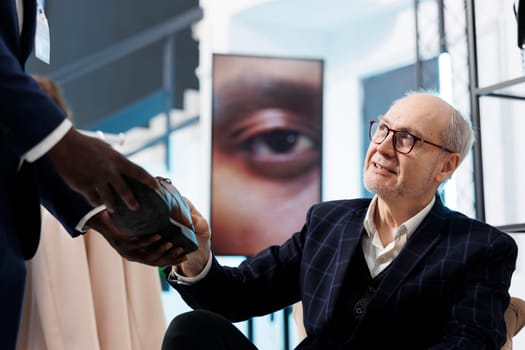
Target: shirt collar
369	225
409	226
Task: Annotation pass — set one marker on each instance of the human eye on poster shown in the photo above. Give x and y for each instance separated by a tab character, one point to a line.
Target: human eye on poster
266	149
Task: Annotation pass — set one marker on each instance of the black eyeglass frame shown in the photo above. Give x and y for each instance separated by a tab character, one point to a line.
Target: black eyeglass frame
395	132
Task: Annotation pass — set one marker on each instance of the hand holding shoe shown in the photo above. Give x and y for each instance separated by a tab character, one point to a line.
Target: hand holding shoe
148	249
162	211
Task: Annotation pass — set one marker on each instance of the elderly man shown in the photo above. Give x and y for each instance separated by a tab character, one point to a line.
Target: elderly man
398	271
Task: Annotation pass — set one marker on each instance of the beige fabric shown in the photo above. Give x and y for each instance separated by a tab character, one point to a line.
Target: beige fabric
297	314
514	320
82	295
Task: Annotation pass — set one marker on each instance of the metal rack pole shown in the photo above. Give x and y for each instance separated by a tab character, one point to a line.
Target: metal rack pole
417	67
474	110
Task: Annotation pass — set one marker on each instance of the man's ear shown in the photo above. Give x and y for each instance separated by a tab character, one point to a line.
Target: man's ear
449	164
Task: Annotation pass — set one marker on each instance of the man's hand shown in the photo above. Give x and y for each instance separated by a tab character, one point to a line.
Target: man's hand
194	263
92	168
146	250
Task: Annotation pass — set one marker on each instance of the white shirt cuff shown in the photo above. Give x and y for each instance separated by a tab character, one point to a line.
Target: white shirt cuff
81	226
48	142
188	281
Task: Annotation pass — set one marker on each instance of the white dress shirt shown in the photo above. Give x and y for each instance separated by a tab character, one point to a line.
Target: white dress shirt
377	256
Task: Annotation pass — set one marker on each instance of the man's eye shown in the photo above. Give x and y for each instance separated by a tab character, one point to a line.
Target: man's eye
272	143
403	136
284	154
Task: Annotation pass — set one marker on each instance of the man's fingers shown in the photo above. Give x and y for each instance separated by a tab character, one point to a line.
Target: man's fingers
122	189
136	172
93	197
124	192
158	255
106	196
146	242
155	254
172	256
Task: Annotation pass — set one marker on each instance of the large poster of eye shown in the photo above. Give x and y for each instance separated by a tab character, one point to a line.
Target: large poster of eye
266	149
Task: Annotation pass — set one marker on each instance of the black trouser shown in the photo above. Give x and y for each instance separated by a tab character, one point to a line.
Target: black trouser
202	329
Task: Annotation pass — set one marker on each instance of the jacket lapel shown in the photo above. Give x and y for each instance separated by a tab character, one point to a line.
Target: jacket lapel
350	241
426	236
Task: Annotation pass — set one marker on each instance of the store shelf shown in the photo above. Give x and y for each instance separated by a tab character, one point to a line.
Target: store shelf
504	89
515	228
508	89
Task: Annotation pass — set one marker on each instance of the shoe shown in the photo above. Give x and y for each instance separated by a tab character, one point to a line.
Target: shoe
162	211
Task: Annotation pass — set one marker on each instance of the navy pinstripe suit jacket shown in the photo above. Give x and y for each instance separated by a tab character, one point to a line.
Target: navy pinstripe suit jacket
447	289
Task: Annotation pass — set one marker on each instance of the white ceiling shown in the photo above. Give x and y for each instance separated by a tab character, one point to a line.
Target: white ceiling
321	15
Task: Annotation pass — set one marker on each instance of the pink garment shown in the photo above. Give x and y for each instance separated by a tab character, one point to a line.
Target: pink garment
82	295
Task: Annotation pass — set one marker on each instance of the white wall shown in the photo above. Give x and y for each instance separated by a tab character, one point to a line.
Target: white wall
357	47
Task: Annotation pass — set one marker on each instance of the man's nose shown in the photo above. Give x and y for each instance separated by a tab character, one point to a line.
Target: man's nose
387	146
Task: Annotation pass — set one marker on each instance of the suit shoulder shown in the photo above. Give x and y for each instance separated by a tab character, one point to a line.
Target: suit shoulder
470	225
341	205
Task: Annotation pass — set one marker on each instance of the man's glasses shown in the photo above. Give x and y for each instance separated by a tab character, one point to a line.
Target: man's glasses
402	141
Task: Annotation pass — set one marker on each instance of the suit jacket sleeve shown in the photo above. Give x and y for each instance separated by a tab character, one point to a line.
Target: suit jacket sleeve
68	206
301	268
27	114
477	316
262	284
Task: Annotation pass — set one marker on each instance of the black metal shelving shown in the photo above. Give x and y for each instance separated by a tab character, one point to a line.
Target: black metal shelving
476	93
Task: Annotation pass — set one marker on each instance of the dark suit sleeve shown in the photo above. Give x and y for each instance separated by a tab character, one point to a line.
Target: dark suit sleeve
66	205
280	275
262	284
27	115
476	320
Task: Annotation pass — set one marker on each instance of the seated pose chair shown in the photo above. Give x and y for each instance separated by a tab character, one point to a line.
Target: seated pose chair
514	319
